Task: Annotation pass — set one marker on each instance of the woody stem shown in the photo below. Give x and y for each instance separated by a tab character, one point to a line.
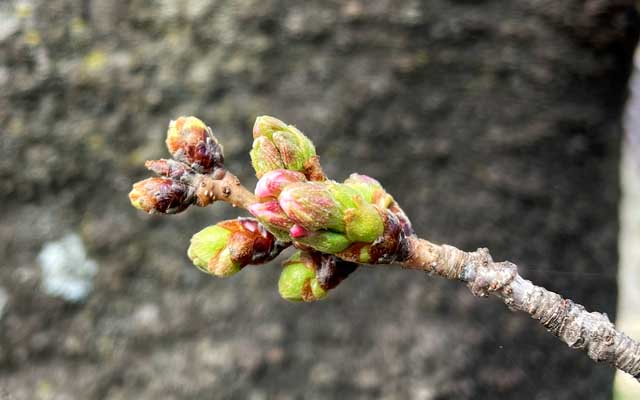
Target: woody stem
222	186
591	332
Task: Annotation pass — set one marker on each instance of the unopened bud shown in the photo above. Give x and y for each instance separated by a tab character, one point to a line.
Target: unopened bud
290	149
161	195
298	280
207	244
271	215
189	140
169	168
323	241
308	276
345	196
266	126
272	183
298	231
227	247
373	192
265	156
295	149
370	189
312	206
363	224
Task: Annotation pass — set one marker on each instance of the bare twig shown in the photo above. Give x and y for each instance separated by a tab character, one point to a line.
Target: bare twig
225	188
570	322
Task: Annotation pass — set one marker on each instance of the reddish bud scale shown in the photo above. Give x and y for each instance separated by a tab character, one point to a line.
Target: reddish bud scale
169	168
330	270
250	242
189	140
404	221
161	195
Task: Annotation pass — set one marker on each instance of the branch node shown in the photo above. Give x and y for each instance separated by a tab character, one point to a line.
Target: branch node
489	276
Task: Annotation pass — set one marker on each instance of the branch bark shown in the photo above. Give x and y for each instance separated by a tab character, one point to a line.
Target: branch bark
222	186
580	329
570	322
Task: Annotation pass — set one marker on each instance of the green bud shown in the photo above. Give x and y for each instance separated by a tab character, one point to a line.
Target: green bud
206	244
370	189
298	280
266	126
265	156
288	147
227	247
363	224
325	241
344	195
223	264
293	155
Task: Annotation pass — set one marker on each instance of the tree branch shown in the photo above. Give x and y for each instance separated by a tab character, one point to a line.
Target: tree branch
223	186
592	332
332	219
570	322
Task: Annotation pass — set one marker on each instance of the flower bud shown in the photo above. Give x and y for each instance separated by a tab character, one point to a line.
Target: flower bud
370	189
323	241
273	182
373	192
265	156
271	216
294	149
189	140
266	126
298	280
311	205
290	148
308	276
207	244
170	168
298	231
363	224
161	195
390	247
227	247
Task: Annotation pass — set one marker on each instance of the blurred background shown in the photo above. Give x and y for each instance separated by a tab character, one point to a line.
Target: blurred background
493	123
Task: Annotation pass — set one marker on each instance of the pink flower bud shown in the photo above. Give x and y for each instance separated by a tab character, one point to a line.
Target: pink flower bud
272	183
311	205
271	214
298	232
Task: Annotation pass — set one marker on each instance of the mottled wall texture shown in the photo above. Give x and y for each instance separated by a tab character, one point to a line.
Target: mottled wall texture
494	123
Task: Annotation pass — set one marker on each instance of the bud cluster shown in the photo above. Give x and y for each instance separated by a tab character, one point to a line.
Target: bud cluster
195	152
335	226
329	217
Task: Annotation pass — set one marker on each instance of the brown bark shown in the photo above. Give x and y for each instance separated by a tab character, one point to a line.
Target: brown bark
228	189
591	332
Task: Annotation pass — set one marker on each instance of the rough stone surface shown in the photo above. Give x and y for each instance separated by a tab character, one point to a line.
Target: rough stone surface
494	123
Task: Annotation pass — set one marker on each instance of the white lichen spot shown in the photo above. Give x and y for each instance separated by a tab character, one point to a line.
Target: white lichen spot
66	270
4	298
